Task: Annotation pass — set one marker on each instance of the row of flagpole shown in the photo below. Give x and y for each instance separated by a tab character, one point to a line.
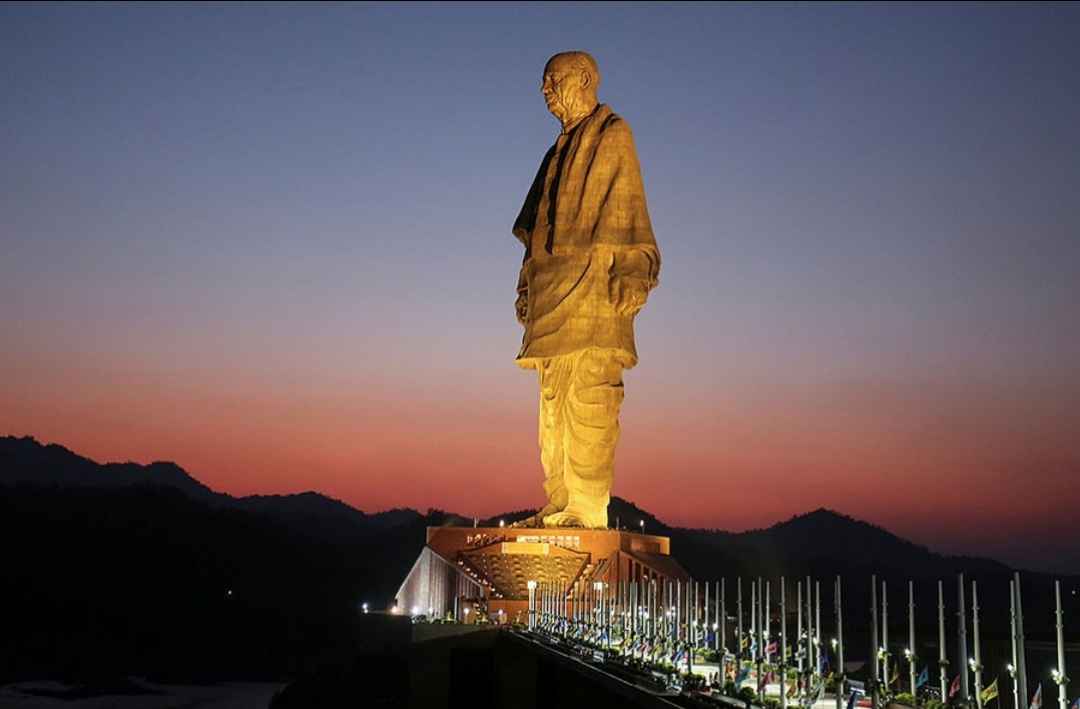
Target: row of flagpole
653	613
1017	667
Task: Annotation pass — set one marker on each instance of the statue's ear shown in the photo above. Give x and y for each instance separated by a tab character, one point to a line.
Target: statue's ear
586	79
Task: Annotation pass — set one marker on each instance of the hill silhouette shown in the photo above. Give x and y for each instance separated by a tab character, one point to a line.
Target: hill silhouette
142	569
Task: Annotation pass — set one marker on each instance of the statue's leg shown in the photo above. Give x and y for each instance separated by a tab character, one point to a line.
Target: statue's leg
554	375
590	434
554	382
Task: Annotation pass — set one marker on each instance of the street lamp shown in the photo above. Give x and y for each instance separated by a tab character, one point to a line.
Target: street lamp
363	607
641	523
532	604
466	615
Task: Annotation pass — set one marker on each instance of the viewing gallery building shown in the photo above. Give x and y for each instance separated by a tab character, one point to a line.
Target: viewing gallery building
469	573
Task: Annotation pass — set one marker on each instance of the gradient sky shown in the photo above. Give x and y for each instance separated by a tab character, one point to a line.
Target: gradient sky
272	244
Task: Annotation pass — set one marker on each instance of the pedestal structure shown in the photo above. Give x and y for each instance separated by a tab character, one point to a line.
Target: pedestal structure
487	569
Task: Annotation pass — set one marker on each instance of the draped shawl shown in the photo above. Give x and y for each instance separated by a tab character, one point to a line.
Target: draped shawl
584	222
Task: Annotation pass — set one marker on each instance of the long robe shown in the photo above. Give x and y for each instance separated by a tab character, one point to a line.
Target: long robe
584	224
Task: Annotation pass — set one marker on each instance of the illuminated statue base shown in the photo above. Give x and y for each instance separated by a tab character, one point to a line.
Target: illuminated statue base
481	574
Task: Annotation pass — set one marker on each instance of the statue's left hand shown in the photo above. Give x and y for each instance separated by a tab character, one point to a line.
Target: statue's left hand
628	294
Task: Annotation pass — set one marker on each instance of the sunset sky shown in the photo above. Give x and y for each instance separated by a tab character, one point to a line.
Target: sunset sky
272	244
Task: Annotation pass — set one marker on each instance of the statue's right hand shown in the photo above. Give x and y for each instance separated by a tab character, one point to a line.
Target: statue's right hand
521	306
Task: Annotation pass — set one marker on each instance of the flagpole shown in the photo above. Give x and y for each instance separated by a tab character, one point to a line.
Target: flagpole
840	690
678	612
691	629
707	614
885	632
943	662
721	641
875	648
977	667
799	634
648	598
739	629
783	646
911	635
761	634
1060	676
753	621
817	627
962	637
1012	627
766	621
809	629
1021	656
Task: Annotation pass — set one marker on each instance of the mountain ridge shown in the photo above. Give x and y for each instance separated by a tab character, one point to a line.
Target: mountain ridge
786	543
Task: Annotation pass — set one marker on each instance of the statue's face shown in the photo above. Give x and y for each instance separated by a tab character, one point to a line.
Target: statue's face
565	88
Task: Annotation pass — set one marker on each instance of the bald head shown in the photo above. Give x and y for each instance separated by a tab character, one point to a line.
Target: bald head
576	61
569	85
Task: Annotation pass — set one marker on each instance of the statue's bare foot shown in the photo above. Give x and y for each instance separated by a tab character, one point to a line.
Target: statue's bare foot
537	520
574	516
564	519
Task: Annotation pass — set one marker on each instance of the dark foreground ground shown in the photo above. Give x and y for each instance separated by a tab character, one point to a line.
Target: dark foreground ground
137	694
478	669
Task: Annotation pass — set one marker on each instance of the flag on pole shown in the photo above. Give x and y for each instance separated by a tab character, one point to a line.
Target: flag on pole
851	700
990	692
895	675
743	674
923	678
792	690
954	687
1036	701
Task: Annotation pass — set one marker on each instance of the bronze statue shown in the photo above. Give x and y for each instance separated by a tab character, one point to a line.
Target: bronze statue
590	262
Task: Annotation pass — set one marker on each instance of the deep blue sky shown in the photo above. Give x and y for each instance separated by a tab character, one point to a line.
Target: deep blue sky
255	239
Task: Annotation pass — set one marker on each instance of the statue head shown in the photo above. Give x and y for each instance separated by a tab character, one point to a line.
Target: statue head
569	85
